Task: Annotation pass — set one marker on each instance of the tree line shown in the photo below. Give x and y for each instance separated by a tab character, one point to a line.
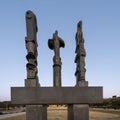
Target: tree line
113	102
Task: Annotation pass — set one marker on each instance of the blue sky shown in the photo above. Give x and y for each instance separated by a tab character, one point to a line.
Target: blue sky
101	30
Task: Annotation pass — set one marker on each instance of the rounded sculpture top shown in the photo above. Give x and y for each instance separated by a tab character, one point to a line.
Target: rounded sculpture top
31	15
51	42
79	25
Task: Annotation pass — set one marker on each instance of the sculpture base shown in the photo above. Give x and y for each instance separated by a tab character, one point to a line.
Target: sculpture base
32	83
36	112
82	84
56	95
81	111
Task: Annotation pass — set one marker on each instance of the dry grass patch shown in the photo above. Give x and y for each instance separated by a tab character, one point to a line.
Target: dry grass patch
57	114
101	114
61	114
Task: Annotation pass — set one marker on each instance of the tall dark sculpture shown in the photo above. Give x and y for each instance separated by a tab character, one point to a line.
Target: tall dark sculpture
54	44
31	45
80	54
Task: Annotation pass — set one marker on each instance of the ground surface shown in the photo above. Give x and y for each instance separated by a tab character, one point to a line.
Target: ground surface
61	114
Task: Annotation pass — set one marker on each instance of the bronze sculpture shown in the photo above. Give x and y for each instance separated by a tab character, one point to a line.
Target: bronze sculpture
31	45
54	44
80	54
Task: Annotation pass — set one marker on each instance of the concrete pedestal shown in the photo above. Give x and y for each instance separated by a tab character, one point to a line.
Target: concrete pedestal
70	112
78	112
81	112
36	112
82	84
74	97
55	95
32	83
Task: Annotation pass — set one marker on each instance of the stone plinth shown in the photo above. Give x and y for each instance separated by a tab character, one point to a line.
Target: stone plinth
82	83
56	95
36	112
31	83
81	112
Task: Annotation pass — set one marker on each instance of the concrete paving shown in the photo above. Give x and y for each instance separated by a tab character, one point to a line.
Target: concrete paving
11	115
